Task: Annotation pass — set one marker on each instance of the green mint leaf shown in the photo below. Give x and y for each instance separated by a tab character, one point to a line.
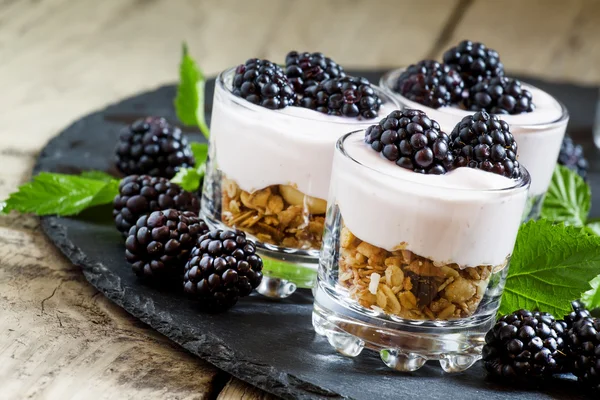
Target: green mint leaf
200	151
97	175
593	226
189	102
60	194
551	265
189	178
591	298
568	199
303	277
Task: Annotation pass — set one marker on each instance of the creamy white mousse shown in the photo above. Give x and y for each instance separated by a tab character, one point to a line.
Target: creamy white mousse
539	133
467	216
258	147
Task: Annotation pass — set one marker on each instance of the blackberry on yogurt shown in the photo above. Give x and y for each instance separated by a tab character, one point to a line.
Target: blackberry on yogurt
474	61
430	83
308	69
413	141
484	141
348	96
500	95
263	83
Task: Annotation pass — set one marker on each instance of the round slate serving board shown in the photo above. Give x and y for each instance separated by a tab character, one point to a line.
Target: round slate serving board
268	344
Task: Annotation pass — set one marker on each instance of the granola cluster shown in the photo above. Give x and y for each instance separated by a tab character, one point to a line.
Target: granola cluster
278	214
407	285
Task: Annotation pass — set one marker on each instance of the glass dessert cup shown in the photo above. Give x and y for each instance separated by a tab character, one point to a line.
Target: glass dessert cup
268	174
539	134
412	267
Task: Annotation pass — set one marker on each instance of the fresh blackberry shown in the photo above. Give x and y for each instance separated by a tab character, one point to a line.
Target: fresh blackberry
413	141
431	84
499	95
264	83
484	141
474	61
153	147
571	156
159	244
141	194
308	69
348	96
579	312
524	347
583	341
223	267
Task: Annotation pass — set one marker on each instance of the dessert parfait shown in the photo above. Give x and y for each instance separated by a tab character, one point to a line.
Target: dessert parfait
273	135
419	233
471	78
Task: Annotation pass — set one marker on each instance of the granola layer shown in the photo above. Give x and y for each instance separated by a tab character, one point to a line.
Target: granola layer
407	285
278	214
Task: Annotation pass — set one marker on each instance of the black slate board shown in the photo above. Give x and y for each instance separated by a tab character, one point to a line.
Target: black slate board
268	344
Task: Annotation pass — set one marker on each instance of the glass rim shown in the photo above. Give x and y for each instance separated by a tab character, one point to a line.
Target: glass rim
386	84
520	184
383	94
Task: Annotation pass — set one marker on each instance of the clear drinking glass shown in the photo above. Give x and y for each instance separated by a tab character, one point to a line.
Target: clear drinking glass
268	174
412	270
539	134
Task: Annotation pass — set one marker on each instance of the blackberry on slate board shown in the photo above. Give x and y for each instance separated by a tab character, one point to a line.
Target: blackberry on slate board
583	342
307	69
412	141
571	156
141	194
524	347
500	95
264	83
223	267
484	141
159	244
431	84
154	147
348	96
474	61
579	312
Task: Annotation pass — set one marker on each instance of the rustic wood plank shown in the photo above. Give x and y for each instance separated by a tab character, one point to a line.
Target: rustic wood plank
547	38
236	389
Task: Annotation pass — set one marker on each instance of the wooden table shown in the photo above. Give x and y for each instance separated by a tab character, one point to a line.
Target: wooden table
60	59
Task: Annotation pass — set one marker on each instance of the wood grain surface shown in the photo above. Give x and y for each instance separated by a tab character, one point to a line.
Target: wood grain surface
60	59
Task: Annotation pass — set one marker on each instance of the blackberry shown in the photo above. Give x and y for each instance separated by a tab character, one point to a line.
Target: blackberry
583	341
524	347
154	147
412	141
141	194
159	244
264	83
308	69
571	156
431	84
499	95
348	96
579	312
484	141
474	61
223	267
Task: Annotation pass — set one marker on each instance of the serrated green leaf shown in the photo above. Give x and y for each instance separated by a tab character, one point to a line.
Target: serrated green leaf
200	151
591	298
189	101
551	266
189	178
593	226
568	199
97	175
60	194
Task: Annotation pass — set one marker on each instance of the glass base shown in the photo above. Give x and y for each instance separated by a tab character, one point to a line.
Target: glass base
284	269
403	346
533	208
